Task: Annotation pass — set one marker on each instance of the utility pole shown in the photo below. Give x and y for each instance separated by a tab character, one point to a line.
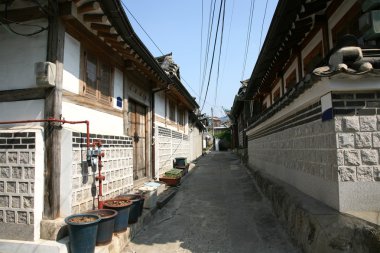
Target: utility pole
212	127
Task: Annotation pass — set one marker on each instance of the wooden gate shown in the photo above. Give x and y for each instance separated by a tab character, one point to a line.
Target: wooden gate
137	129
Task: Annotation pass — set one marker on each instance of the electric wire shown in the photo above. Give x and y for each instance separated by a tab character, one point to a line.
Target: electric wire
262	24
210	28
228	38
200	55
247	42
213	54
220	52
12	30
142	28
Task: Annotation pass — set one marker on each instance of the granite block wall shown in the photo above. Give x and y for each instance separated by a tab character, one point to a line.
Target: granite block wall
117	168
171	144
17	180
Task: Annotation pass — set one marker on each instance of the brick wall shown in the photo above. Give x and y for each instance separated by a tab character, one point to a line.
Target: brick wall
171	144
17	173
117	168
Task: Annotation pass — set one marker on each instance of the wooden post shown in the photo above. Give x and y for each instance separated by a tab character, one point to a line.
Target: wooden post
53	108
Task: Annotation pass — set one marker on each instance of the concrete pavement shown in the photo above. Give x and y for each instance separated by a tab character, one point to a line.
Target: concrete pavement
217	209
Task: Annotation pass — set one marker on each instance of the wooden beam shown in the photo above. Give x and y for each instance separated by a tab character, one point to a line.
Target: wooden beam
95	18
109	36
24	94
103	28
53	109
89	6
21	15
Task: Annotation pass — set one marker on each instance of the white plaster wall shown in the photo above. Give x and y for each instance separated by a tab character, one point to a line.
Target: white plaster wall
71	65
267	101
159	104
18	55
66	181
39	181
100	122
22	110
117	87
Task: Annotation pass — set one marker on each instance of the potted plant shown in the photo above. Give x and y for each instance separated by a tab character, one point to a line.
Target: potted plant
172	177
82	232
105	226
135	208
122	206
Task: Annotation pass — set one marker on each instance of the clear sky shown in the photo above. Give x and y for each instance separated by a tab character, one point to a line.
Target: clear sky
175	26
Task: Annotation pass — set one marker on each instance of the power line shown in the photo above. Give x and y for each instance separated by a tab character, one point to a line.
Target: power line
248	36
142	28
213	54
220	52
200	56
228	38
262	24
210	28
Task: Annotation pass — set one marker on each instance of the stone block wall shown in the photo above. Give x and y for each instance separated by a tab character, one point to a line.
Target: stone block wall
171	144
17	180
358	151
117	168
303	156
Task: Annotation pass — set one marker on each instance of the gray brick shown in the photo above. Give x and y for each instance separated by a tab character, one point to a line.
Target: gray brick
363	140
1	216
10	216
346	140
11	187
5	172
12	157
29	173
32	187
3	158
4	201
22	217
23	187
16	202
351	157
2	186
351	123
368	123
24	157
364	174
376	173
376	139
31	218
369	156
347	174
28	202
16	172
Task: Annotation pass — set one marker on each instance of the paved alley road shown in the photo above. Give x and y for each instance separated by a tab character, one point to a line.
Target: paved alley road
217	209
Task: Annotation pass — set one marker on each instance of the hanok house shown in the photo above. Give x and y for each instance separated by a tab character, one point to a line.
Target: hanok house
71	70
319	132
175	135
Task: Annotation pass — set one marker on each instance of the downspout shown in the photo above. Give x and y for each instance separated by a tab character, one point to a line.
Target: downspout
154	128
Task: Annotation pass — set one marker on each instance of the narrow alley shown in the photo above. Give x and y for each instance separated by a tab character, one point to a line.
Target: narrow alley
217	209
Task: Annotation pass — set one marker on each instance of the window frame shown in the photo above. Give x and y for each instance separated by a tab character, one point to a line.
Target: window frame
97	93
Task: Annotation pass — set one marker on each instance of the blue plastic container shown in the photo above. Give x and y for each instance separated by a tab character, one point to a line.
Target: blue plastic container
121	219
82	234
135	208
105	226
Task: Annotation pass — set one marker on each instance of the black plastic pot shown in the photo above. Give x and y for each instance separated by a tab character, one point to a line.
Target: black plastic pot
121	219
141	209
105	226
82	234
135	208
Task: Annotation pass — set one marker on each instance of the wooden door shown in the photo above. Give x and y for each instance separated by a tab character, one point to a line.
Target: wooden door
137	127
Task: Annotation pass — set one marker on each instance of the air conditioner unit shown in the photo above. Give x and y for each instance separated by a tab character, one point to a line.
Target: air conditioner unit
45	73
369	25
